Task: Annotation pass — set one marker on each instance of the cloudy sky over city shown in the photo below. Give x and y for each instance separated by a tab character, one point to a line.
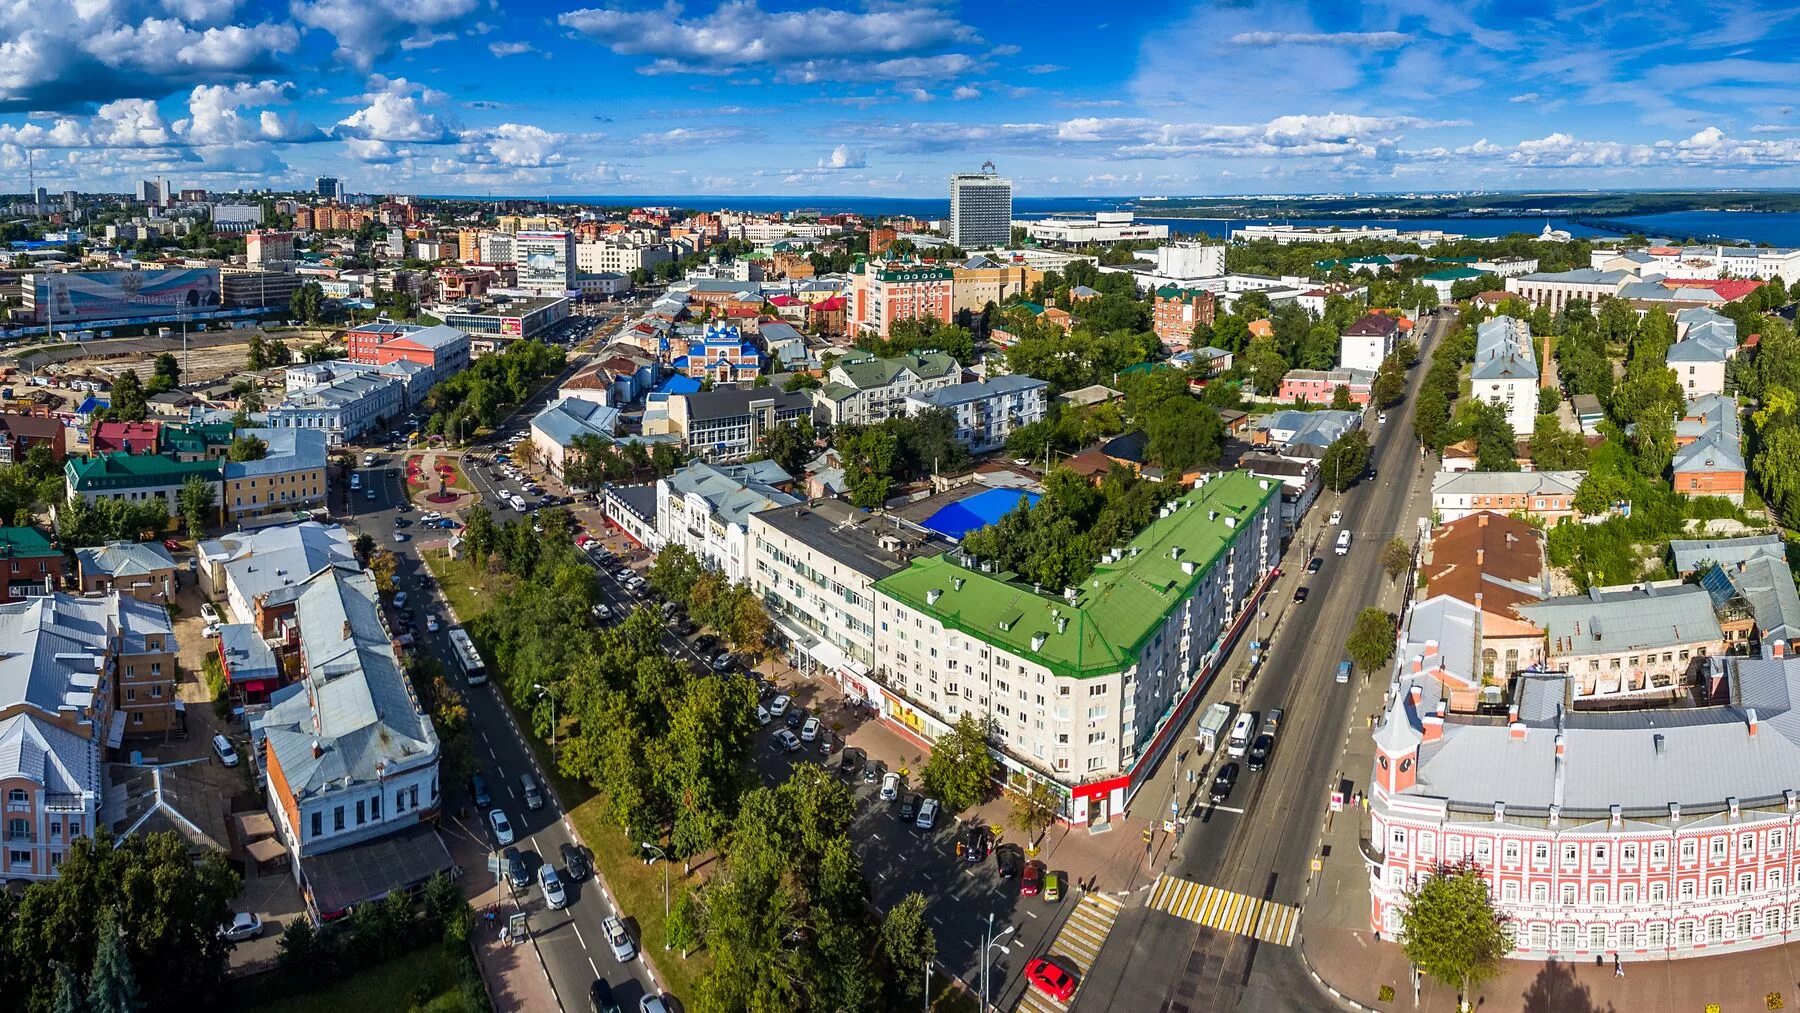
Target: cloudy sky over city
763	97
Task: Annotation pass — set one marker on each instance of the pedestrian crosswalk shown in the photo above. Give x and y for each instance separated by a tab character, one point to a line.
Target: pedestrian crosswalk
1076	946
1226	911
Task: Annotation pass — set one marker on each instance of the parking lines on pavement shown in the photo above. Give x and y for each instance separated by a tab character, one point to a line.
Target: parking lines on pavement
1077	944
1226	911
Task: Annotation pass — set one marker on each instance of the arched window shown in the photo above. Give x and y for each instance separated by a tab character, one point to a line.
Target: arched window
1488	659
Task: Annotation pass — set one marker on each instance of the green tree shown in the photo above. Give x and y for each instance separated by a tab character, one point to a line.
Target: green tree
682	930
1034	808
69	997
165	374
128	397
1183	435
1345	460
1554	448
868	454
1389	388
196	497
1340	399
308	302
1549	399
1265	367
245	447
112	985
960	770
1496	445
1396	556
674	572
909	946
1371	640
257	357
1451	929
791	446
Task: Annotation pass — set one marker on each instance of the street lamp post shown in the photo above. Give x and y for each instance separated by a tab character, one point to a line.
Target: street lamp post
658	853
986	951
552	698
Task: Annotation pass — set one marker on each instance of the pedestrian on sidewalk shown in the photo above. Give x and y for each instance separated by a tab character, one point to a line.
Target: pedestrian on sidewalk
1618	967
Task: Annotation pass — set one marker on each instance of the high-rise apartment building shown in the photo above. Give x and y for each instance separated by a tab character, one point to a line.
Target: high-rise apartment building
546	261
980	208
329	187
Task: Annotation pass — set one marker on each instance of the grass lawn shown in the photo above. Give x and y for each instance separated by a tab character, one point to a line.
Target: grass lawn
424	979
470	589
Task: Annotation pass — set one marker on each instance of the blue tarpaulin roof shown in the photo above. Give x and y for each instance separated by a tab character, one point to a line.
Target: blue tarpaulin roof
679	384
978	511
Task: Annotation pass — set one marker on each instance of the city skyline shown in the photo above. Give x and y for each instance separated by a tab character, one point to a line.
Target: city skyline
879	99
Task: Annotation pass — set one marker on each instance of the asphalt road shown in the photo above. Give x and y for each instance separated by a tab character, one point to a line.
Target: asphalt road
570	940
1260	841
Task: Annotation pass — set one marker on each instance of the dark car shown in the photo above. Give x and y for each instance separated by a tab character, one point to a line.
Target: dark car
795	716
1313	564
600	998
723	663
681	625
1258	757
909	806
705	644
1300	594
478	789
977	844
575	862
515	869
851	761
872	772
1010	859
1223	782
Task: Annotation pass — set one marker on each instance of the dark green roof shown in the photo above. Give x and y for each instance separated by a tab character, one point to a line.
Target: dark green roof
195	437
1116	610
131	471
25	543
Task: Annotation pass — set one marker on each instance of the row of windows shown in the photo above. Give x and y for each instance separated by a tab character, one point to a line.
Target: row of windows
367	810
1718	848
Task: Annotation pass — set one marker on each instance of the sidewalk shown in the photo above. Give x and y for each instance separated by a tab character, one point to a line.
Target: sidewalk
514	972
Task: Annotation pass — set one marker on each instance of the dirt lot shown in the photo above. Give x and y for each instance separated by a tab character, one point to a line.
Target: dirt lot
211	355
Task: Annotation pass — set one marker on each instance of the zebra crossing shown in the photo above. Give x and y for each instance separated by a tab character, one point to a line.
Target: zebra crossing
1226	911
1077	945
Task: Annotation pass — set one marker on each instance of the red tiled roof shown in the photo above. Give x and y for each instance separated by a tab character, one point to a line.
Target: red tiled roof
1729	289
136	437
836	302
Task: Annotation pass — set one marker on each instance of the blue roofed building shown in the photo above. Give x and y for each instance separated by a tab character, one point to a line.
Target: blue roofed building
977	511
721	355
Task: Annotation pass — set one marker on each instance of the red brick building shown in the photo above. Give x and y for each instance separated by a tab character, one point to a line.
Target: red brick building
891	291
19	433
1177	311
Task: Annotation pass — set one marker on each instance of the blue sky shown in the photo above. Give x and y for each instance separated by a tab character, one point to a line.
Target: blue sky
886	97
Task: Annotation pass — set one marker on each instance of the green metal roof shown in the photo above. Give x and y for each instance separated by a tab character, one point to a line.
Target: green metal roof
868	371
1453	274
1116	610
131	471
913	272
25	543
195	437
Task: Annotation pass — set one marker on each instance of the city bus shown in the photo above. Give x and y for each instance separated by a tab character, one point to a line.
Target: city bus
467	656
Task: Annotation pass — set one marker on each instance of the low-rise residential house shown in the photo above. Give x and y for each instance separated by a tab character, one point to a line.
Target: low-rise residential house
135	477
79	675
815	565
119	437
632	509
1709	457
143	570
555	429
1588	413
1637	642
1299	480
707	508
1505	372
729	422
861	389
1444	281
1707	341
1319	386
1367	342
34	567
1548	496
348	755
289	479
247	568
20	432
1492	564
1299	434
986	412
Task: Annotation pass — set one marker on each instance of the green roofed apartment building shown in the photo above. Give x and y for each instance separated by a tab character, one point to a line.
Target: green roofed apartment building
864	389
136	477
1084	687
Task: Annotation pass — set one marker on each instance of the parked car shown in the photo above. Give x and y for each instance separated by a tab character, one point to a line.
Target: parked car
787	740
210	630
1050	978
652	1004
909	806
1032	883
851	759
928	814
723	663
877	771
551	884
172	544
810	730
503	829
976	843
794	717
1223	782
622	947
208	613
1010	860
478	790
516	873
243	926
763	716
575	862
600	998
1052	887
223	749
431	624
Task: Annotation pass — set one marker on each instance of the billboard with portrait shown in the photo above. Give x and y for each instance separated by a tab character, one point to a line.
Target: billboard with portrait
96	295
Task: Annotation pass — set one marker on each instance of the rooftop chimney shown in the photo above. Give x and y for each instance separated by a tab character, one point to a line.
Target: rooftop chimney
318	750
1780	648
1434	723
1431	648
1418	664
1481	519
1512	712
1516	731
1417	694
1480	556
1750	719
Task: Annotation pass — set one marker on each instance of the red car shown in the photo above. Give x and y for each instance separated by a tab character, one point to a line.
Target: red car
1033	880
172	544
1050	978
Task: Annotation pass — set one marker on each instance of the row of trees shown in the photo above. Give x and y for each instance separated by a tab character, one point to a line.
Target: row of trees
591	461
897	450
476	398
1057	541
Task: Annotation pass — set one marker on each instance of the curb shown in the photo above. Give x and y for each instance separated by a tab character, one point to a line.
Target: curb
1343	1001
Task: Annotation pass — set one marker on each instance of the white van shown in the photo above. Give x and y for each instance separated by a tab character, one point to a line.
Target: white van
1242	731
1343	542
222	748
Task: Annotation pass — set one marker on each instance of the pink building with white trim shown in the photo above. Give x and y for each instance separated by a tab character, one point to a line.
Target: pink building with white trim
1655	832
